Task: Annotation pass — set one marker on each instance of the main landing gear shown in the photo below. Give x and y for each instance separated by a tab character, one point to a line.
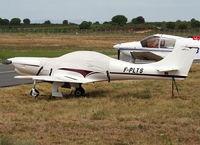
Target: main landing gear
79	92
34	92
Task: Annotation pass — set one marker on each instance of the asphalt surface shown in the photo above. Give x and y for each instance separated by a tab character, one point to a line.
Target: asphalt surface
7	79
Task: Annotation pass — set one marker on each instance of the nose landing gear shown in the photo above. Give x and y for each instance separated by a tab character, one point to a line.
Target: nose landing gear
34	92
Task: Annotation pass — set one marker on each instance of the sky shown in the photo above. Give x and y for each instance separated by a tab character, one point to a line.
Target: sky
99	10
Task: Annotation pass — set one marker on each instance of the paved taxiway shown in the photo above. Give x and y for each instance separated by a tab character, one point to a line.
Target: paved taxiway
7	79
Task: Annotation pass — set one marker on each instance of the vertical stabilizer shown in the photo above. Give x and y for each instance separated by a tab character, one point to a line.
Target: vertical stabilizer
180	60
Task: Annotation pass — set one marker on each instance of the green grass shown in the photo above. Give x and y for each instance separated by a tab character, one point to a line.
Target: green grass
41	53
8	141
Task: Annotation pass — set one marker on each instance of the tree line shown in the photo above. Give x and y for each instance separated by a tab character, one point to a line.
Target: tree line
118	20
26	21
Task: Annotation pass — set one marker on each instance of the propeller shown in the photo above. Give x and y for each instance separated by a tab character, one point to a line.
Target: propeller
5	61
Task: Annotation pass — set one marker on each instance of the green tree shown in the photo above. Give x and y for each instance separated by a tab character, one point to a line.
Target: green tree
119	20
65	22
138	20
96	23
170	25
15	21
1	21
26	21
5	22
194	23
47	22
182	26
85	25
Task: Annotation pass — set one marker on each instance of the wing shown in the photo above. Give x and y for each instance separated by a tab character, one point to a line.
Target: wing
54	79
146	56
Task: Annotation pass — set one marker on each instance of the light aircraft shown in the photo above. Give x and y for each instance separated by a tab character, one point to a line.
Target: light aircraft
80	67
154	47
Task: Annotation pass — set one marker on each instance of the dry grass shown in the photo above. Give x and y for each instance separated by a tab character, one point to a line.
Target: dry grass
61	42
121	112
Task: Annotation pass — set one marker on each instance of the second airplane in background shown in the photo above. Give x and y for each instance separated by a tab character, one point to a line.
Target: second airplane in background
154	47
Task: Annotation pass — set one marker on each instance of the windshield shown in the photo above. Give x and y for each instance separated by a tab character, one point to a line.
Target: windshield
158	42
151	42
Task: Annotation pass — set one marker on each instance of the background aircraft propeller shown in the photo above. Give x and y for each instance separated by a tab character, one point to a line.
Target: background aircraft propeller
118	54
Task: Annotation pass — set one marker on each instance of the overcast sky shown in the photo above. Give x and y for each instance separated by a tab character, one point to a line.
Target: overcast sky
99	10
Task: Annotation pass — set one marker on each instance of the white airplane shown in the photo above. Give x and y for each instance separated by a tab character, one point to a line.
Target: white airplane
154	47
76	68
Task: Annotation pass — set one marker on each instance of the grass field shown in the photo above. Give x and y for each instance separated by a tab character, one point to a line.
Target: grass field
121	112
52	45
137	112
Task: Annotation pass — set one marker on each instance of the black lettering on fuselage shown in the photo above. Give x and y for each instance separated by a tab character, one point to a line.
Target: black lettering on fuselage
125	69
133	70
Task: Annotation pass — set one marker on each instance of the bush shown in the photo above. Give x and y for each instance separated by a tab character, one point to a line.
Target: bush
107	23
65	22
48	22
15	21
119	20
170	25
138	20
99	115
26	21
182	26
85	25
194	23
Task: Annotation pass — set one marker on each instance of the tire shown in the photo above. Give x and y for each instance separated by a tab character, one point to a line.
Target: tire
79	92
35	93
82	91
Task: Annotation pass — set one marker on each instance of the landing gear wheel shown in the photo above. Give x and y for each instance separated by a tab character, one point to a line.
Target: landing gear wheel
35	93
79	92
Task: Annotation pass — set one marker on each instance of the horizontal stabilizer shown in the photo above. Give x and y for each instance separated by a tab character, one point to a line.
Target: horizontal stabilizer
167	69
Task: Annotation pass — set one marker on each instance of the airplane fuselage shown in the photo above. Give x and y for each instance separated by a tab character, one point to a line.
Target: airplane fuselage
92	66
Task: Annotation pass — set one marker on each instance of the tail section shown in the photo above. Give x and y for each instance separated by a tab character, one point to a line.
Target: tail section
180	60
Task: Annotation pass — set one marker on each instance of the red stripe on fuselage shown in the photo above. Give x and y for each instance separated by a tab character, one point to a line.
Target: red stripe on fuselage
84	73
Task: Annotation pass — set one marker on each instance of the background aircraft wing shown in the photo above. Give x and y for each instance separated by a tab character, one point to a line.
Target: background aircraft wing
146	56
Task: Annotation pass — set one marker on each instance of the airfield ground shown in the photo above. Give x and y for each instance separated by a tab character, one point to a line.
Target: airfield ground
52	45
121	112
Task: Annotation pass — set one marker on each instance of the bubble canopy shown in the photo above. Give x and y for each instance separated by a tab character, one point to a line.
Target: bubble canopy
158	42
